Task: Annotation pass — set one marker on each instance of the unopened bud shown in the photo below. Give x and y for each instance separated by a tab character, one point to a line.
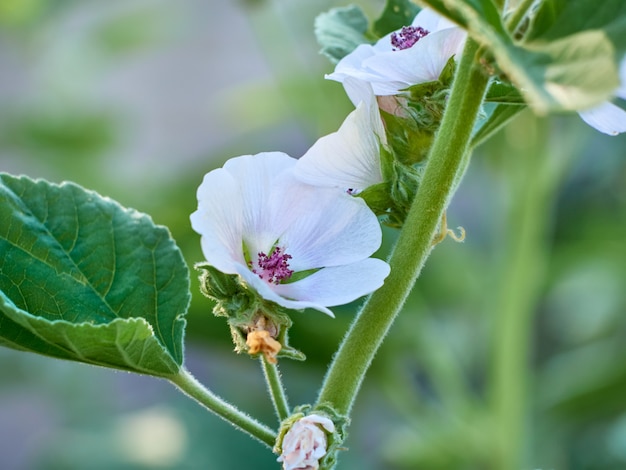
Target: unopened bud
306	443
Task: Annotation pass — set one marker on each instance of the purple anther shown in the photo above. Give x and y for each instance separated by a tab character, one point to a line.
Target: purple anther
407	37
275	267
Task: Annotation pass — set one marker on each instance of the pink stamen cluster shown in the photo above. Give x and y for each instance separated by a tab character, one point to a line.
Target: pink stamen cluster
273	268
407	37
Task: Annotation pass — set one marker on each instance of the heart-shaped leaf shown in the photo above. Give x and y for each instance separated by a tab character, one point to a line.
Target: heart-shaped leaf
84	279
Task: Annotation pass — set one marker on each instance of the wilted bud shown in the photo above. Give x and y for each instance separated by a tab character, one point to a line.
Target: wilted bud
261	342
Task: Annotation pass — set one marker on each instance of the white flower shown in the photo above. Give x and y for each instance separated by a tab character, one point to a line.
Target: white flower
607	117
348	159
415	54
305	443
258	221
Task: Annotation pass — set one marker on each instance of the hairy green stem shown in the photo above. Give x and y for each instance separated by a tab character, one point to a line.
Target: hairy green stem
194	389
414	244
276	389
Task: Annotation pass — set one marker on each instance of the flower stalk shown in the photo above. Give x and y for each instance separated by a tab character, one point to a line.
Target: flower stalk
445	163
275	388
189	385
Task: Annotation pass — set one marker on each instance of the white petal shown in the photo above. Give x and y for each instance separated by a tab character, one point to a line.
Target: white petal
432	21
338	285
421	63
259	197
258	176
607	118
323	420
351	65
233	207
267	293
388	85
360	91
384	43
350	157
218	220
328	228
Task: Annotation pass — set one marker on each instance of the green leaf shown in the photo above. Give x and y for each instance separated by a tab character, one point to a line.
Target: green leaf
397	13
496	118
557	19
571	72
470	14
84	279
340	30
544	17
505	93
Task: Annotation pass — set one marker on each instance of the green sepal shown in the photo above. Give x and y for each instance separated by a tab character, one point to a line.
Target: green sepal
409	141
411	130
396	14
285	426
245	310
387	162
225	289
425	102
378	197
403	189
334	440
391	199
410	134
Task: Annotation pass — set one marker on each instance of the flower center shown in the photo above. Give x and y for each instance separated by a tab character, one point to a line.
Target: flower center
407	37
273	268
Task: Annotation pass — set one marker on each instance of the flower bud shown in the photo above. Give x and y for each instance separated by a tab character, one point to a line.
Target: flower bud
306	443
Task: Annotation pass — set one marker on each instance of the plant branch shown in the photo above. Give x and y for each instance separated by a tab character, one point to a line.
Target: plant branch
194	389
445	162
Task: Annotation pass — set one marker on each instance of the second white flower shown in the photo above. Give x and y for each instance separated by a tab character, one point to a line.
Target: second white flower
296	245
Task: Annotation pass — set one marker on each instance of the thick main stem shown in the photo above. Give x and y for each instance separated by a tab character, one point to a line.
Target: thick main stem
190	386
414	243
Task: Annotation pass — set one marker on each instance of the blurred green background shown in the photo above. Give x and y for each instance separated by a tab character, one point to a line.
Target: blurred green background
510	352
